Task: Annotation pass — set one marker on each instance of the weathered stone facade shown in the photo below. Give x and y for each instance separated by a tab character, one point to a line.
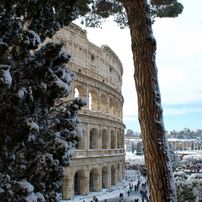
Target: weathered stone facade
99	161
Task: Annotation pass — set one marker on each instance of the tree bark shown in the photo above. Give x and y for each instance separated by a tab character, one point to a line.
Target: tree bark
160	178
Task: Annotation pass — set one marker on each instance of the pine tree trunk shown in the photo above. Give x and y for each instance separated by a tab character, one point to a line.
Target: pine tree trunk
160	179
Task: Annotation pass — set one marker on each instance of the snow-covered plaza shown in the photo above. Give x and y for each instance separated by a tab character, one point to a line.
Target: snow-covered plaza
186	182
112	194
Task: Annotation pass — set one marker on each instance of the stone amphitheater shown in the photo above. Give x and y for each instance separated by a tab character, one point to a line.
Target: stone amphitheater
98	162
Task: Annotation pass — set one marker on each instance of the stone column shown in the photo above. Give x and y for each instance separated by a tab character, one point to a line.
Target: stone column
99	108
87	137
115	131
99	179
99	138
116	173
120	172
68	188
109	138
108	100
109	184
85	184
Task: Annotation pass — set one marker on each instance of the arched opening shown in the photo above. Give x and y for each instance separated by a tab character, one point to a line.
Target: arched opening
93	138
79	183
93	101
104	139
113	175
105	177
94	180
76	92
103	104
79	91
113	140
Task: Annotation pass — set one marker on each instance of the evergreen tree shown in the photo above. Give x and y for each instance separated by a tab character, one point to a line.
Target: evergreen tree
188	187
175	159
132	147
37	135
139	150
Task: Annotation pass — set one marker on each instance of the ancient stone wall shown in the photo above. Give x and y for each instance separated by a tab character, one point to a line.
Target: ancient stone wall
99	160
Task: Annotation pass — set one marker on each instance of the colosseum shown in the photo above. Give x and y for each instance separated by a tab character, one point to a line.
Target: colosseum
99	160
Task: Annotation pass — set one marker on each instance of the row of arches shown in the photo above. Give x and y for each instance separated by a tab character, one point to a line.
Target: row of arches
99	102
102	139
96	179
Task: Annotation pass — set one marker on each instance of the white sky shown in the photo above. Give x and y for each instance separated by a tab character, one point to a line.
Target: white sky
179	62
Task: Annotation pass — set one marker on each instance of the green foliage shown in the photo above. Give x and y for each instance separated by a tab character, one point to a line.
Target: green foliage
166	8
187	187
186	134
102	9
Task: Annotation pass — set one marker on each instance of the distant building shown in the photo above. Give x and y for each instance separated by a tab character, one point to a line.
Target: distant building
185	144
176	144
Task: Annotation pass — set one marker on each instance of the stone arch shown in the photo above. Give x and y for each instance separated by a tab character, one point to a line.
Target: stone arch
113	140
93	100
79	183
105	177
94	138
104	139
76	92
94	180
79	91
103	103
113	175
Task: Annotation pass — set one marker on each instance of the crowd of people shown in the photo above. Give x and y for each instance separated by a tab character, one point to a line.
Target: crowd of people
137	189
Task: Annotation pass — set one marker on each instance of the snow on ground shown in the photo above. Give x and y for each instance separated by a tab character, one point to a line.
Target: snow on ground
112	194
134	159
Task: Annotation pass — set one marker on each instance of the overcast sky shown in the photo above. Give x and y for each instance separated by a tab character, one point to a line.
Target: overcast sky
179	62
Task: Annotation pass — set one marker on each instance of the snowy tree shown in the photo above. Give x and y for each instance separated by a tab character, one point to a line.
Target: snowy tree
188	187
38	132
175	159
133	147
139	149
